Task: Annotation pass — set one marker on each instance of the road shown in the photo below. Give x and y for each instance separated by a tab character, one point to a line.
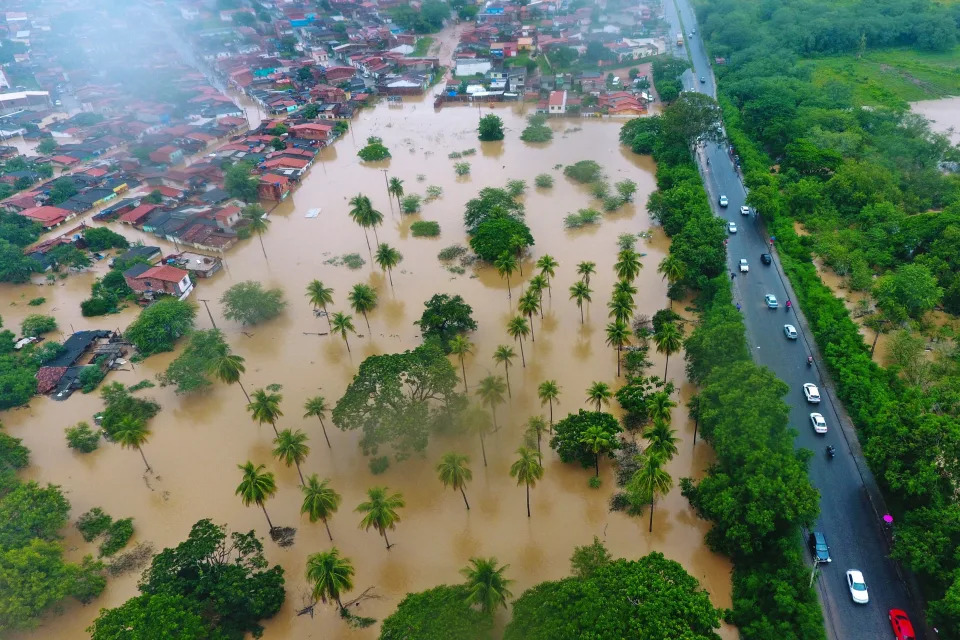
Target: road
847	518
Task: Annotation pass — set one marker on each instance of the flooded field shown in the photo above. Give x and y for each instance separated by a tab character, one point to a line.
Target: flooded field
943	114
198	440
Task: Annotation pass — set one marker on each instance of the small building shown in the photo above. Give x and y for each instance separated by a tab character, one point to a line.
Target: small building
147	253
137	215
199	265
273	187
557	103
48	216
167	154
312	131
162	279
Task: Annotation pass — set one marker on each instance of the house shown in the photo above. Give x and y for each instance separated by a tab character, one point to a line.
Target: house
557	103
162	279
273	187
312	131
197	264
472	66
148	253
137	215
167	154
48	216
227	217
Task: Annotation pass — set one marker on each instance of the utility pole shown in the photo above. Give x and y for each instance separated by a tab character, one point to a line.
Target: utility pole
387	183
204	301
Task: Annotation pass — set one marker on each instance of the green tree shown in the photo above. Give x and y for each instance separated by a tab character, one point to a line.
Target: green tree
536	285
47	146
256	487
911	287
548	266
249	303
317	407
62	189
618	334
662	440
454	472
504	355
649	482
320	296
291	448
363	299
158	327
151	616
439	613
599	392
490	128
31	512
331	575
37	324
265	407
585	270
548	392
491	391
527	470
599	441
205	351
569	436
395	188
101	239
506	264
691	117
529	305
626	189
621	307
387	258
587	560
628	265
444	318
375	150
536	426
461	346
364	215
580	291
486	585
668	340
343	324
228	367
320	501
659	406
518	329
240	183
257	222
380	511
133	433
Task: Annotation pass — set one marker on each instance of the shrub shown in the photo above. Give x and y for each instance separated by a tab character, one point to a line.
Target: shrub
582	218
425	229
47	351
516	188
13	455
468	152
379	465
82	438
454	155
91	376
37	324
160	325
543	180
93	524
353	261
434	192
537	130
585	171
490	128
101	239
626	241
594	482
495	235
600	189
374	151
249	303
118	535
452	252
461	168
612	203
410	203
36	302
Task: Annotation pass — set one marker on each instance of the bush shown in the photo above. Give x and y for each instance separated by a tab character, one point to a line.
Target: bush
516	188
585	171
374	151
410	203
452	252
461	168
354	260
249	303
490	128
82	438
36	324
568	434
595	482
425	229
91	376
495	235
13	455
582	218
101	239
98	306
48	350
160	325
599	189
612	203
537	130
36	302
118	535
93	524
379	465
434	192
543	180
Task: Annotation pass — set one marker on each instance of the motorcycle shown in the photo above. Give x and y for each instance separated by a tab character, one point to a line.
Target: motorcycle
831	451
809	361
788	306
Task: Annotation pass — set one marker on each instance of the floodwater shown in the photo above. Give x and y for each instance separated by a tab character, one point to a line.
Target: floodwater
943	114
198	440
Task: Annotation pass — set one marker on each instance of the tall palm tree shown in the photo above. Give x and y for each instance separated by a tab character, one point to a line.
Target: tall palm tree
669	340
291	448
320	501
256	486
518	329
132	433
650	481
256	222
538	283
621	307
536	425
454	473
673	269
265	407
387	258
624	288
548	269
506	264
476	420
659	406
227	368
317	407
461	346
519	244
599	392
548	392
363	299
599	441
528	305
580	291
360	206
380	511
663	440
395	188
343	324
585	270
486	585
504	355
527	470
618	334
491	391
331	575
320	296
628	265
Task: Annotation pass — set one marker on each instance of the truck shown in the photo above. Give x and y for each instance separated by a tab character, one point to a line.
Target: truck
679	39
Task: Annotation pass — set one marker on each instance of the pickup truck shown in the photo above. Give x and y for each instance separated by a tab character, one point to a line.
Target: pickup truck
679	39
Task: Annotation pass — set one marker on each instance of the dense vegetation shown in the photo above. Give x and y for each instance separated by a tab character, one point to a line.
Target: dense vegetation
17	232
494	220
866	183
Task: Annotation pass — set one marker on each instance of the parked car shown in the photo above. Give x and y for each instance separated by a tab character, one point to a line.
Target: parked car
819	424
732	227
744	267
902	627
703	80
723	201
765	258
771	301
790	331
744	211
858	587
819	548
811	392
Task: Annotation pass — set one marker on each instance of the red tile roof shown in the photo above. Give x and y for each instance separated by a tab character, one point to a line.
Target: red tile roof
164	273
46	215
138	214
64	159
272	178
48	377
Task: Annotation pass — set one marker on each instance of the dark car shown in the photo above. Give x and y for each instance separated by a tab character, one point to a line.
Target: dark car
765	258
819	548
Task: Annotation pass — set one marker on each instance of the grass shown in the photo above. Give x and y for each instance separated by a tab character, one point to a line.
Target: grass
425	229
422	47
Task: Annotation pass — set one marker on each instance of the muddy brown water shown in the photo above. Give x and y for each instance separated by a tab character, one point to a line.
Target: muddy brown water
198	440
943	114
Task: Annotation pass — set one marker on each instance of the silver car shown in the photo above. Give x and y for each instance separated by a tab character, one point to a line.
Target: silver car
858	587
771	301
790	331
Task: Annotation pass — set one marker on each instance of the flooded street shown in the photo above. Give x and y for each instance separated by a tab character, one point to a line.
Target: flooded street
198	440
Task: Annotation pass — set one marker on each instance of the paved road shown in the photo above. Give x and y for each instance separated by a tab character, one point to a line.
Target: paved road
853	531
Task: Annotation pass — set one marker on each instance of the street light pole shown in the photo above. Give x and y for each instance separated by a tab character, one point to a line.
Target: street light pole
208	312
387	183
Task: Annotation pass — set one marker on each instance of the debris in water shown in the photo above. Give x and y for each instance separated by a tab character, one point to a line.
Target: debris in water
283	536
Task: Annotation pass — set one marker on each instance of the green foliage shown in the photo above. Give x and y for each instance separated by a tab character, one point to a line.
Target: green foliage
62	189
29	511
490	128
543	180
587	560
452	252
67	255
158	327
584	171
17	379
410	203
396	400
490	203
249	303
461	168
190	370
582	218
667	71
379	465
147	617
36	324
47	146
239	182
910	290
439	613
91	376
82	438
425	229
445	317
93	524
568	435
353	260
374	151
121	406
496	235
118	535
635	397
13	455
36	302
101	239
537	130
516	188
427	18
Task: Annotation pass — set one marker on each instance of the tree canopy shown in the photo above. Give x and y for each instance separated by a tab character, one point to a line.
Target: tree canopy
189	371
249	303
490	128
159	326
439	613
568	435
444	317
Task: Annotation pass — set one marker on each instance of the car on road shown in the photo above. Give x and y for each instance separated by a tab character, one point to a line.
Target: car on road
811	392
732	226
858	587
765	258
819	548
771	301
790	331
902	627
744	267
723	201
703	80
819	424
744	211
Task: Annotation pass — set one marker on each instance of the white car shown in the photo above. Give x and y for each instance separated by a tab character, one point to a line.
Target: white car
723	201
858	587
819	424
811	392
732	227
771	301
744	267
744	211
790	331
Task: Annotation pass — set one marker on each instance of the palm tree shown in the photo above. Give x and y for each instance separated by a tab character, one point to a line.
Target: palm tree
256	222
585	270
317	406
363	213
256	486
580	291
290	447
454	473
320	501
672	268
548	265
343	324
628	265
538	283
536	425
380	511
331	575
659	405
625	289
668	340
363	299
503	355
227	367
486	585
528	305
491	391
663	440
618	334
650	481
519	244
133	433
461	346
621	307
477	421
599	441
395	188
527	470
387	258
320	296
265	407
599	392
518	328
548	392
506	264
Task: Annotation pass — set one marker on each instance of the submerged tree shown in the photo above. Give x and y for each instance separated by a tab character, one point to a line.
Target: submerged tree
331	575
527	470
256	487
320	501
454	472
380	511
